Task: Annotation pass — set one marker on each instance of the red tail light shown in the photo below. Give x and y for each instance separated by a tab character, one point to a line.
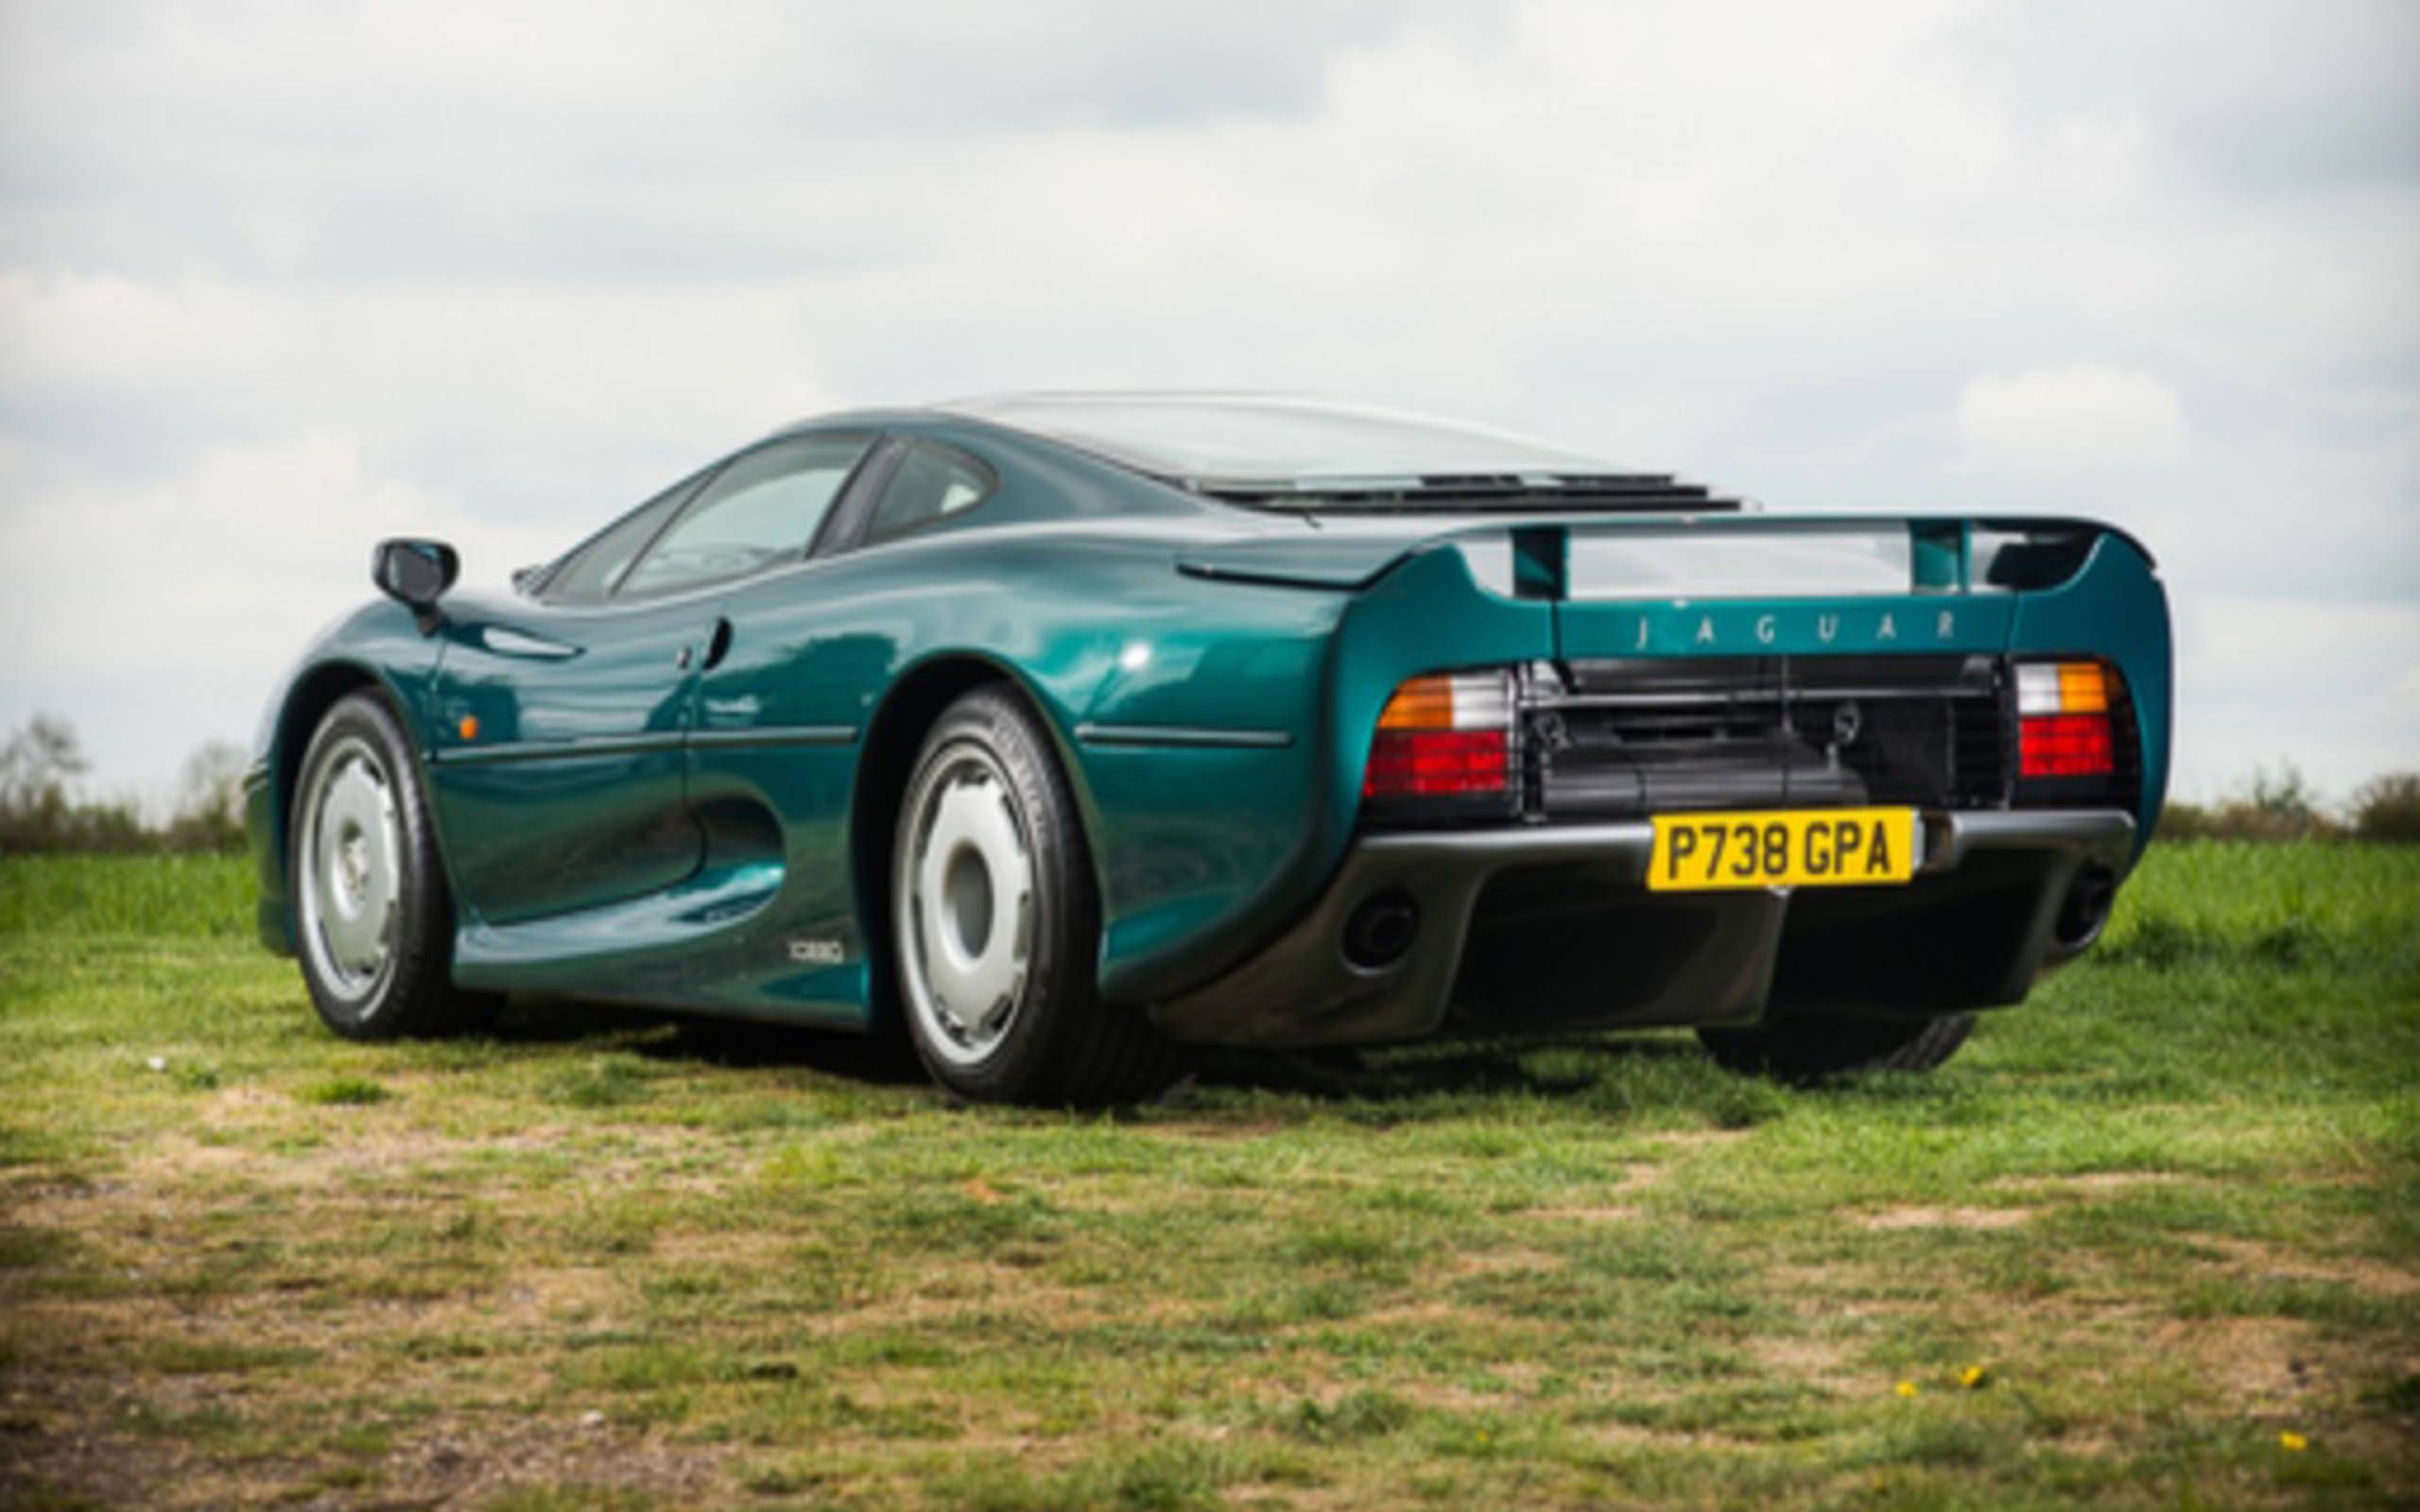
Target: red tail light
2062	720
1426	763
1444	735
2066	745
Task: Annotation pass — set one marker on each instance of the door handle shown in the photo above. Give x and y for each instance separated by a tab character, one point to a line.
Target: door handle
719	644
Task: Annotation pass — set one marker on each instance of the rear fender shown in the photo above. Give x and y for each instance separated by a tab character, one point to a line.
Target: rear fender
1214	847
2116	607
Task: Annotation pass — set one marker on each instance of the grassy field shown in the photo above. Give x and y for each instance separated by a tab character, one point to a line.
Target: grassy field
2153	1241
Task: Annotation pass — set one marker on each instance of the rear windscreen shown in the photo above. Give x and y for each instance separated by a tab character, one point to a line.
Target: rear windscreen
1809	561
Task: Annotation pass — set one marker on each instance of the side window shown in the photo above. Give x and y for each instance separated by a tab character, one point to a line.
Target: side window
592	570
931	484
761	508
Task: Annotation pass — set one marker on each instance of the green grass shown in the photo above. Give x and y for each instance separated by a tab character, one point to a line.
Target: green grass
2172	1208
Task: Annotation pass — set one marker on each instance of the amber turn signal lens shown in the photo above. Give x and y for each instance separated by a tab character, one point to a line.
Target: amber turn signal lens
2083	688
1423	703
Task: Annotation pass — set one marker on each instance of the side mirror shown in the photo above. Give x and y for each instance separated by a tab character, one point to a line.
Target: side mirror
415	573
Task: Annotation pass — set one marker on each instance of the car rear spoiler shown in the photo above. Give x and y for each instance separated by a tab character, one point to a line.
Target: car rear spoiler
1685	556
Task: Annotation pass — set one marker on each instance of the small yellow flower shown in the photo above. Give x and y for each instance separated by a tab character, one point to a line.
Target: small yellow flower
2292	1442
1973	1377
1907	1388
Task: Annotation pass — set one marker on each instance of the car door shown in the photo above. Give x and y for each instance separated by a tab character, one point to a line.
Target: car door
556	773
560	772
804	657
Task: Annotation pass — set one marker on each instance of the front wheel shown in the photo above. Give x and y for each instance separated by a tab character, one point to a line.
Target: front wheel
997	922
375	927
1814	1047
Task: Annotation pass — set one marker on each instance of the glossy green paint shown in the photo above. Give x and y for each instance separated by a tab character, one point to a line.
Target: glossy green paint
628	821
573	794
2114	607
378	646
1938	561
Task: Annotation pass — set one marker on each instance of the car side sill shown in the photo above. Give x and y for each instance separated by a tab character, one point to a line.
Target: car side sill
749	736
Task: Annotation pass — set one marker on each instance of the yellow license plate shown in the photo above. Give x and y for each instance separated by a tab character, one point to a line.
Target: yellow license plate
1785	848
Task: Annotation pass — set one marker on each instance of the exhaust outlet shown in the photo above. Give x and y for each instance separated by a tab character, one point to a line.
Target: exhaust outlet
2084	912
1380	929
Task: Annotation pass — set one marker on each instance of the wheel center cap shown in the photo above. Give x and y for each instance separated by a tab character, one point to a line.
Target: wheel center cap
967	893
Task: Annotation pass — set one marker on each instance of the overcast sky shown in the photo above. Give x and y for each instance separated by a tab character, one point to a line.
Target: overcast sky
277	279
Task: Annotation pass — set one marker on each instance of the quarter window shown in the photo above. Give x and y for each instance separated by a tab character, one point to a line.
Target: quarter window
760	510
592	570
931	484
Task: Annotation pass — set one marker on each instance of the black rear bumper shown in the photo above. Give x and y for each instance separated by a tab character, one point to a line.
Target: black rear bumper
1551	927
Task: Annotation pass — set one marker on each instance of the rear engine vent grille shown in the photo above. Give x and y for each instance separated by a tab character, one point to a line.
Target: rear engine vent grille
1623	738
1488	494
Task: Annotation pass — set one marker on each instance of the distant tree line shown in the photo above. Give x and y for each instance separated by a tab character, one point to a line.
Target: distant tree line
41	769
2281	806
42	765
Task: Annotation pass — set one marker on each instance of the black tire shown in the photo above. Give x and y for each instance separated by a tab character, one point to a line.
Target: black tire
1046	1037
1816	1047
361	746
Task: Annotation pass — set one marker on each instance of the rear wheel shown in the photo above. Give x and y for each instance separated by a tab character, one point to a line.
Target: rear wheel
375	924
1816	1047
997	922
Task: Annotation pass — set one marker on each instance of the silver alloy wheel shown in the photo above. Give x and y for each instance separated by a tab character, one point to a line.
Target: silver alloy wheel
963	904
351	858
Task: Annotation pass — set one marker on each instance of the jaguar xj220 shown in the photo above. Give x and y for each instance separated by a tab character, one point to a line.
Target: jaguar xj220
1063	732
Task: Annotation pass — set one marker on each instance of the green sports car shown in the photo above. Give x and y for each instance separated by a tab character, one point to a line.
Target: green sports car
1067	731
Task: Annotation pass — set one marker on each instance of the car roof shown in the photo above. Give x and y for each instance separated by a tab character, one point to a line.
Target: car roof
1297	452
1219	441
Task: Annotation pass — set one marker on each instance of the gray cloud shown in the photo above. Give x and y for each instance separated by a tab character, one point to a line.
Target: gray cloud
728	139
2272	98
